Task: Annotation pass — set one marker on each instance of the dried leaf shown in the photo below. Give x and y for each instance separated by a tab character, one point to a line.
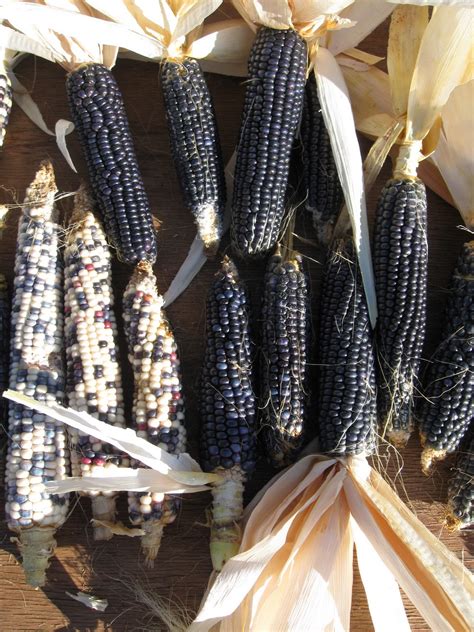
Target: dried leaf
226	42
117	528
94	603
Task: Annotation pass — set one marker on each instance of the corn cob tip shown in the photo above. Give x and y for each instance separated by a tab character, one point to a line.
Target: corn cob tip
209	227
83	203
228	266
453	523
103	511
399	437
40	194
227	511
429	456
151	541
37	546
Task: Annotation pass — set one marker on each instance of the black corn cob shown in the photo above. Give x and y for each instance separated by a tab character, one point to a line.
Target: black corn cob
195	146
272	113
5	105
447	408
99	115
4	342
227	408
285	323
461	490
320	178
400	266
347	390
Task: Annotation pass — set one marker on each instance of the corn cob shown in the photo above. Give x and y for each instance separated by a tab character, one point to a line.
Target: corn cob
5	104
285	322
347	402
447	408
37	449
99	115
272	113
320	178
4	341
93	382
158	407
400	265
227	407
195	146
461	490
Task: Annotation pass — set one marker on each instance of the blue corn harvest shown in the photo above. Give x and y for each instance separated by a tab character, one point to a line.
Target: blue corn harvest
100	119
324	195
94	382
271	116
195	146
6	97
347	386
400	266
37	449
4	341
284	357
227	408
447	408
460	513
158	405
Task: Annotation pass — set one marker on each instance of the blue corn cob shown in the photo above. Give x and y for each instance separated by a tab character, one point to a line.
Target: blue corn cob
5	104
461	489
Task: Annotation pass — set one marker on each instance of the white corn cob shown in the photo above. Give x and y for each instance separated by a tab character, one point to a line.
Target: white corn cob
158	408
37	450
5	103
94	382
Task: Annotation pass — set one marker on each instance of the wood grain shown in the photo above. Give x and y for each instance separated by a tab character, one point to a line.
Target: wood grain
111	570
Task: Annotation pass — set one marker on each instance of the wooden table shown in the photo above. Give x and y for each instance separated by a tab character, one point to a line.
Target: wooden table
110	570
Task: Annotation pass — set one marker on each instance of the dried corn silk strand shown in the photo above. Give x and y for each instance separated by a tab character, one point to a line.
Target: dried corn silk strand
94	381
158	407
37	450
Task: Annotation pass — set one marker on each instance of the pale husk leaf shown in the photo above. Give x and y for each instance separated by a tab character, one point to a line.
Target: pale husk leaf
337	114
454	154
62	128
435	3
18	42
407	26
445	60
366	15
225	42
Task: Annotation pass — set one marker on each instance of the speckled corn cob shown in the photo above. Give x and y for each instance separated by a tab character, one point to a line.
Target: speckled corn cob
5	104
158	406
99	115
400	266
285	332
94	383
227	408
272	113
4	342
447	408
461	490
37	449
320	178
195	146
347	403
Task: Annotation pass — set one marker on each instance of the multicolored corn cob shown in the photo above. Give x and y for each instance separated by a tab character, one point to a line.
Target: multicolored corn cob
227	407
99	116
400	266
272	112
347	389
324	195
158	406
6	97
195	146
94	382
4	342
461	490
37	450
447	409
285	333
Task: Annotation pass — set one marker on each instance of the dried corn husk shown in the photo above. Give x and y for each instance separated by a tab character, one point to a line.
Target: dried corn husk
167	474
294	567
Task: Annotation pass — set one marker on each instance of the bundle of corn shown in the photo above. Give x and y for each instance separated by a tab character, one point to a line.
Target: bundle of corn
93	382
158	407
447	409
295	564
75	41
324	195
179	32
460	490
285	351
37	450
227	407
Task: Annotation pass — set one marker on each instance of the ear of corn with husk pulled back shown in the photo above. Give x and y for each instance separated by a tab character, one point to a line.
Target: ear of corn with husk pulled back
324	195
158	406
227	407
94	382
461	489
37	450
447	408
284	357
